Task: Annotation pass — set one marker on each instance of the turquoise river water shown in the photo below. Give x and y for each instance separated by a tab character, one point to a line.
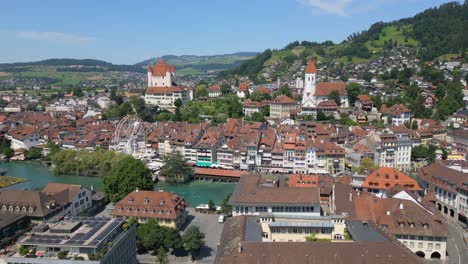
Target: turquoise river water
194	192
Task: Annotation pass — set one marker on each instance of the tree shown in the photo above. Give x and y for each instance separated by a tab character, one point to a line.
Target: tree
414	125
225	89
420	152
335	96
78	92
162	256
257	117
283	90
258	96
125	176
201	91
226	209
175	168
33	153
321	116
366	164
266	110
193	240
353	90
211	205
178	102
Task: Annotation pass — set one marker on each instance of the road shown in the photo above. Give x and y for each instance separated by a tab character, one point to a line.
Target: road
456	247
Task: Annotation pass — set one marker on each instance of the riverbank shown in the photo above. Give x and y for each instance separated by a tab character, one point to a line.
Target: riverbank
195	192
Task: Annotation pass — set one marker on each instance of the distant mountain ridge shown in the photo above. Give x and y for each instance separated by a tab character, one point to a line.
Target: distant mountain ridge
16	66
202	64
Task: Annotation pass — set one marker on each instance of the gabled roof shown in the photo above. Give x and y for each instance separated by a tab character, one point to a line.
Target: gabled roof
283	99
163	90
325	88
160	68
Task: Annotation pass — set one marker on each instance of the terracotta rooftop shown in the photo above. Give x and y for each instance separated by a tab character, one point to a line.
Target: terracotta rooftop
283	99
156	204
310	68
160	68
386	178
163	90
325	88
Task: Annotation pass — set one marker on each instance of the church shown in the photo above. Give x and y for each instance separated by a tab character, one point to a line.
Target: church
162	89
317	92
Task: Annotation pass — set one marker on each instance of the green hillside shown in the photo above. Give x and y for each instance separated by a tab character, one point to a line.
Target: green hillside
192	64
435	33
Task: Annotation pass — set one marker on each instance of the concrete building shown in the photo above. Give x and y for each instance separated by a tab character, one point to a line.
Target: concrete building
79	240
23	137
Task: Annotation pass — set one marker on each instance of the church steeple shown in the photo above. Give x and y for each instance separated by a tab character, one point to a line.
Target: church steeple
308	98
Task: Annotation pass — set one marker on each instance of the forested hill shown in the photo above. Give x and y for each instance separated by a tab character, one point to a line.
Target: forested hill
195	65
438	32
67	65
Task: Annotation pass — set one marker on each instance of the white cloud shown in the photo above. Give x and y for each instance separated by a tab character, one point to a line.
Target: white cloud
54	37
337	7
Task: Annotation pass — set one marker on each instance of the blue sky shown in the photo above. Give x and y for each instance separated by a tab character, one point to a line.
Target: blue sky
130	31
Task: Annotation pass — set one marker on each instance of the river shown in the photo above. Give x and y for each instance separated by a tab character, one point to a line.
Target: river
194	192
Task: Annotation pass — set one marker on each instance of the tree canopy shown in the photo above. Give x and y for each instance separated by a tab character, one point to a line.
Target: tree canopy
125	176
175	168
193	240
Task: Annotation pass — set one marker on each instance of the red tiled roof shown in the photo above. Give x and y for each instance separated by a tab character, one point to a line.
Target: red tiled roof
283	99
152	204
243	86
325	88
303	180
386	178
214	88
311	67
163	90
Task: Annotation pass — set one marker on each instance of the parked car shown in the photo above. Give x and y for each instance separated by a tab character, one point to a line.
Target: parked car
221	219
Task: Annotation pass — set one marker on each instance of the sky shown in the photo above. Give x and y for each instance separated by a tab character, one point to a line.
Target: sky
127	32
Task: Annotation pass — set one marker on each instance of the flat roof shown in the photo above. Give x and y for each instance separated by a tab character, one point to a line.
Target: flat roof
74	232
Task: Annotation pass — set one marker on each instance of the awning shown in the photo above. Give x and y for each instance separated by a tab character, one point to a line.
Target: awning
203	164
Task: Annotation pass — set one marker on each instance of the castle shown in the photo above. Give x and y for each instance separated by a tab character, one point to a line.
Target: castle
162	89
316	92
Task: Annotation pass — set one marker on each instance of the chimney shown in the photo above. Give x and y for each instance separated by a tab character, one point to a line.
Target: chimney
136	189
239	248
401	206
350	196
388	212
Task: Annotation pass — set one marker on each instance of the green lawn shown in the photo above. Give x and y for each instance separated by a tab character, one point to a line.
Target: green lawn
392	33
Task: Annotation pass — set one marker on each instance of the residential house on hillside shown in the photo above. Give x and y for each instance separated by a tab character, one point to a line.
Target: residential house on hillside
397	114
214	91
382	180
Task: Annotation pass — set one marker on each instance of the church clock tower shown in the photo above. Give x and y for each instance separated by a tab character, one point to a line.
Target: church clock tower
308	96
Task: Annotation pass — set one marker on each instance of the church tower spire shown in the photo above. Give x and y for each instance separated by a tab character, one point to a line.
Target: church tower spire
308	98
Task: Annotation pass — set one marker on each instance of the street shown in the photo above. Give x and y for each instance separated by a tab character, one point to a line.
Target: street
456	247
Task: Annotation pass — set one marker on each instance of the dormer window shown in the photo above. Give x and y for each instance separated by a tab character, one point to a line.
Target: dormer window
23	209
17	208
159	211
161	202
146	201
378	175
135	209
411	225
402	224
143	210
168	211
152	211
31	209
4	208
131	199
396	176
387	176
120	209
425	225
128	209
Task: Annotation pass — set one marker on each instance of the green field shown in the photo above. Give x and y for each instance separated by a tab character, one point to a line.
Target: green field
392	33
65	78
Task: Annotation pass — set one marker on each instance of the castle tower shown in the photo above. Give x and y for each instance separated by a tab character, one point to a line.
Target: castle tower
161	74
309	84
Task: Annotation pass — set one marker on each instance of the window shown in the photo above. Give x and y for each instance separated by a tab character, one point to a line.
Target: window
437	246
135	209
420	245
429	245
120	209
127	209
411	244
31	209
